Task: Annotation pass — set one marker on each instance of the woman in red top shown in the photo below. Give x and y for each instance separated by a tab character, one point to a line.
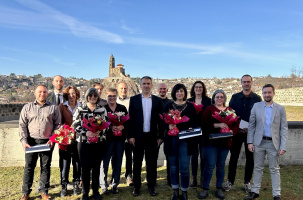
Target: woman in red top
67	109
216	150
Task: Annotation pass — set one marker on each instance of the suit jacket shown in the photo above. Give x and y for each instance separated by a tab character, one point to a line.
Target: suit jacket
136	117
279	125
51	97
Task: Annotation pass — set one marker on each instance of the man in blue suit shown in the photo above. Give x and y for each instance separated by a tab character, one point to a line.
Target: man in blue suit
267	135
145	134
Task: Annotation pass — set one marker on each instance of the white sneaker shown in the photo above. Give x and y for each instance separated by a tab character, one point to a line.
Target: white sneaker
228	186
247	187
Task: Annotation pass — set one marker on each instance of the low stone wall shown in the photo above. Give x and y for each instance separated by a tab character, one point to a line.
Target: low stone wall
11	152
10	111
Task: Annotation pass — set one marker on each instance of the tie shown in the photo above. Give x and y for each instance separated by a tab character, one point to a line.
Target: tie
58	99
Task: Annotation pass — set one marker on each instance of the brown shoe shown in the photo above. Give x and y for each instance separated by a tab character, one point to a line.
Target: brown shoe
24	197
45	196
129	182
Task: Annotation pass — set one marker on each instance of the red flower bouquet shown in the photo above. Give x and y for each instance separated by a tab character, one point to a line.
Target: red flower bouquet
173	117
94	124
228	117
197	107
117	119
64	136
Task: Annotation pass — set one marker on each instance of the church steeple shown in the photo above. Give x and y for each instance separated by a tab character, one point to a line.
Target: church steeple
111	65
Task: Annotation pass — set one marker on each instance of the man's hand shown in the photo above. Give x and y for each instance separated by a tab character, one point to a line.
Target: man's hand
92	134
51	143
159	141
281	152
131	141
26	146
251	147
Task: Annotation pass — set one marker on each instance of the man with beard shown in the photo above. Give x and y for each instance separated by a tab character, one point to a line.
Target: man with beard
242	103
37	123
56	96
267	135
144	134
162	90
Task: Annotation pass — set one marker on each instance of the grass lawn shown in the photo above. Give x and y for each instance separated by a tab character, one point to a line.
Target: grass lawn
294	113
291	178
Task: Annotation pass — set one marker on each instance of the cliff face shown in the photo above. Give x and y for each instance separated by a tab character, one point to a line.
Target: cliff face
111	82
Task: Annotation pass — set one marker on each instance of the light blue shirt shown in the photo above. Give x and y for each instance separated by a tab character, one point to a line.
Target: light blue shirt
267	121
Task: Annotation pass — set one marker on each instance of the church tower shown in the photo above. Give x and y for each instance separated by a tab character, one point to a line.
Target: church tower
111	65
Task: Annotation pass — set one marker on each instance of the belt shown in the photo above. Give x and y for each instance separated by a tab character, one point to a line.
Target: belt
267	138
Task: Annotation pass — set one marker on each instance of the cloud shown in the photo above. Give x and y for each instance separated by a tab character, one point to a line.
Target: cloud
78	28
14	60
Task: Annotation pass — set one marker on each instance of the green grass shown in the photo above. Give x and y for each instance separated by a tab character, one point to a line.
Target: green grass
291	180
294	113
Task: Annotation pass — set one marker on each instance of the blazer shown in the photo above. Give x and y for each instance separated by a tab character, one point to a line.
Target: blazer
52	97
136	117
279	125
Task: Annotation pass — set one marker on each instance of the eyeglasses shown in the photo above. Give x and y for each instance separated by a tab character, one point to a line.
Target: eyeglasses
198	87
219	97
112	96
93	95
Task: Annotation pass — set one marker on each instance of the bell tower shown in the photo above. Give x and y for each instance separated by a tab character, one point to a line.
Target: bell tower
111	65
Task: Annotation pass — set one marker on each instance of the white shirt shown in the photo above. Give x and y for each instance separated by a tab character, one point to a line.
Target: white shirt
124	102
147	106
61	97
69	108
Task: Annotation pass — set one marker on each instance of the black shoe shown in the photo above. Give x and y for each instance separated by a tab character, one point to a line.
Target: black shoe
194	182
152	191
105	191
85	197
203	194
77	189
251	196
97	196
136	192
220	194
175	194
184	195
277	198
114	190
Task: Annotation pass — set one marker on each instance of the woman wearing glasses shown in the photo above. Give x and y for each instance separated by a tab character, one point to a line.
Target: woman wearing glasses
90	153
216	150
199	96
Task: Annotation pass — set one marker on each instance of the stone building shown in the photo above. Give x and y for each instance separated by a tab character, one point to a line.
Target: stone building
118	71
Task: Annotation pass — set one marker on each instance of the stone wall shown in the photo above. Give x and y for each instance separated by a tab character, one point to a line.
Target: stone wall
10	111
11	152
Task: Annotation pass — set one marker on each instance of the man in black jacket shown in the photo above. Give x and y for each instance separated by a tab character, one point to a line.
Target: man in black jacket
56	96
242	103
144	134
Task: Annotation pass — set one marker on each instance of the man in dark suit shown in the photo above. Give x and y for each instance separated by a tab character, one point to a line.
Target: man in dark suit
56	96
145	135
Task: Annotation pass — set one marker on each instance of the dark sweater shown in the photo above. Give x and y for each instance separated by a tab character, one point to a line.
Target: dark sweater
206	101
190	112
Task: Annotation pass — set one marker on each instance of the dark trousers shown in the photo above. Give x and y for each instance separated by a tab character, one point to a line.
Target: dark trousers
198	149
129	160
147	145
114	152
30	164
65	159
90	159
237	142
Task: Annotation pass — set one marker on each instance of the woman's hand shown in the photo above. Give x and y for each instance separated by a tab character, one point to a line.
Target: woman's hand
117	128
171	126
92	134
220	125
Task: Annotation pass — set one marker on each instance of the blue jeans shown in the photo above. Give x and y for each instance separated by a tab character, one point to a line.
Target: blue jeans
179	160
114	152
198	149
215	157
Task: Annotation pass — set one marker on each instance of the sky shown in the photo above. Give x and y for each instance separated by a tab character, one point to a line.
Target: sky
162	39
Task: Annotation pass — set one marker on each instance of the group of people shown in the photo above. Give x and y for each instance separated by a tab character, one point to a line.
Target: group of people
262	127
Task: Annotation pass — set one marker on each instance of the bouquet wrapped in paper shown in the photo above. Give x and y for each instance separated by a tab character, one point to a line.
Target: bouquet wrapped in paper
197	107
94	124
173	117
64	136
117	119
228	117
